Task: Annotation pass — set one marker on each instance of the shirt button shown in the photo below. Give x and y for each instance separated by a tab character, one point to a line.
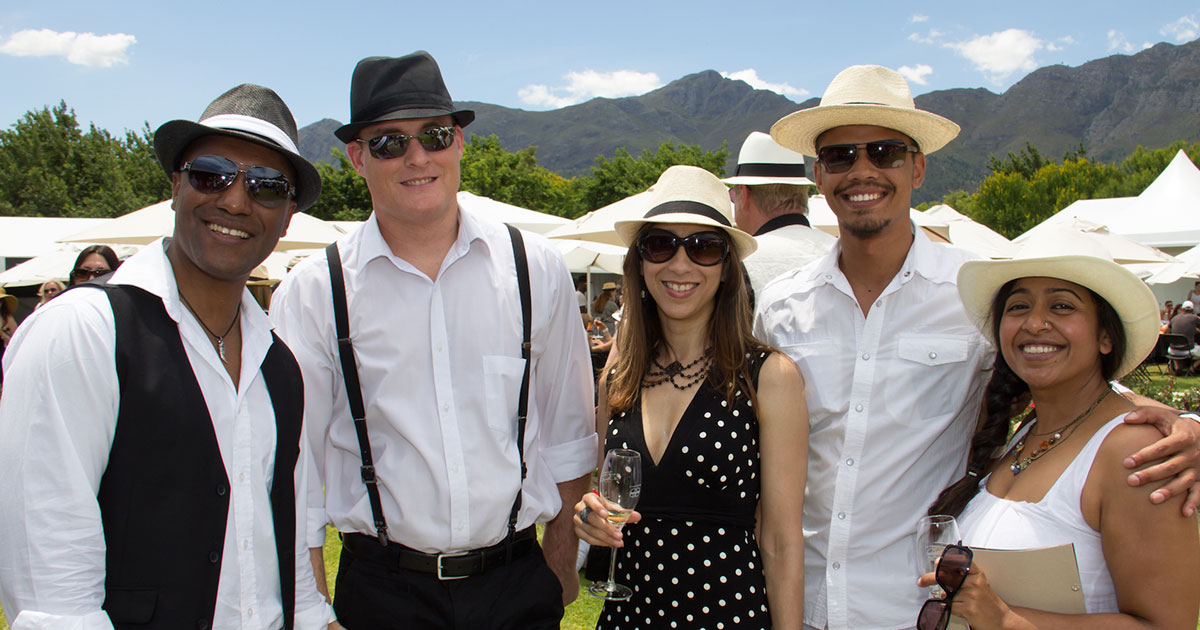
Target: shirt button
214	557
202	624
222	489
249	612
932	355
446	408
828	277
246	544
858	407
850	462
866	356
837	565
841	516
439	347
241	476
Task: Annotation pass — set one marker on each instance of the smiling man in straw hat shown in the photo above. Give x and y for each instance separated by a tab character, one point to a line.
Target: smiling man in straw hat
436	474
895	369
157	471
770	200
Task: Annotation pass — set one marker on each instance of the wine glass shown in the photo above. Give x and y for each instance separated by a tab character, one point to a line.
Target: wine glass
620	486
933	534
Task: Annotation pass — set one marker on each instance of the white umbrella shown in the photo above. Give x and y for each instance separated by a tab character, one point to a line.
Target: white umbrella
516	216
588	256
55	265
597	225
153	222
969	234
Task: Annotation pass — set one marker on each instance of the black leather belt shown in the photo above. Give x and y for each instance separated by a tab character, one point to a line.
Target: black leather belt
446	566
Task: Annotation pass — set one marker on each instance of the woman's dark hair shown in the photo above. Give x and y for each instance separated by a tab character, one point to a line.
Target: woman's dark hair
1005	391
104	251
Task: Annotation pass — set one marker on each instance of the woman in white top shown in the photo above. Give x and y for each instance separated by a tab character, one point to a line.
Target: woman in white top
1064	326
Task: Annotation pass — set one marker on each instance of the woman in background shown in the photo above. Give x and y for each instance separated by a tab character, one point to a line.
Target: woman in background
47	291
94	261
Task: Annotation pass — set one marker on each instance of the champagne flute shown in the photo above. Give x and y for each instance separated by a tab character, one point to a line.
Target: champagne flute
620	486
933	534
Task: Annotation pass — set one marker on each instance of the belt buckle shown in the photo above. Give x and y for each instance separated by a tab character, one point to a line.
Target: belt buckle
442	556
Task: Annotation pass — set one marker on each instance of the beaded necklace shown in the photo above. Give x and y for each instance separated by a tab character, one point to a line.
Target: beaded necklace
674	370
1057	437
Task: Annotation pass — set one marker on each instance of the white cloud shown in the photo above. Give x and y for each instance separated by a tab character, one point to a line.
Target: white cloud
1001	54
750	76
84	49
916	74
588	84
930	38
1060	43
918	18
1117	42
1185	29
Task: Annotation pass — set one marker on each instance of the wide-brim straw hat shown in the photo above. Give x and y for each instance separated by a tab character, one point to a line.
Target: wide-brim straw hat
864	95
398	88
609	286
247	112
1067	255
690	195
762	161
10	303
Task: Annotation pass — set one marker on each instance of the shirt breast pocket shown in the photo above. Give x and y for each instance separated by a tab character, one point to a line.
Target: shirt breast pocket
935	373
827	374
502	390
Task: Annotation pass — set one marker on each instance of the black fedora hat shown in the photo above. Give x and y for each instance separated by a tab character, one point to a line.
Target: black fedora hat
247	112
398	88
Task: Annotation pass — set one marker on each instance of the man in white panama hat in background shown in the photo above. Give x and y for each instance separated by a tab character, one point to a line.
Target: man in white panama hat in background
895	370
770	200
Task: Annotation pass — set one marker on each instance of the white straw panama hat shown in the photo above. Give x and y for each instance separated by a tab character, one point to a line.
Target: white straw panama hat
1068	255
864	95
763	161
689	194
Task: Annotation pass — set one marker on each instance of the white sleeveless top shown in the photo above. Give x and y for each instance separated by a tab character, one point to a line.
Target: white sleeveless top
992	522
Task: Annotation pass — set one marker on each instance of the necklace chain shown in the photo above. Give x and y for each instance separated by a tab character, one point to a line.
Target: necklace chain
674	370
220	338
1056	437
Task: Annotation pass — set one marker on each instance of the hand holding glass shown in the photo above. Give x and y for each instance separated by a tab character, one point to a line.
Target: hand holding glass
933	534
620	486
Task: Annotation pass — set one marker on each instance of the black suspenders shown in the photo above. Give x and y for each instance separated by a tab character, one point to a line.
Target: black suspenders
354	387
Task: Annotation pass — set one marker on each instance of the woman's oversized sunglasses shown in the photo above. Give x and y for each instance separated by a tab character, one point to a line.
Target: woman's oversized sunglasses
838	158
210	174
703	248
395	145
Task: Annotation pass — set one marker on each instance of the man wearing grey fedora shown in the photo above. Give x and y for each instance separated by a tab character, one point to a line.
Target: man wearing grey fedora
153	440
448	382
895	369
770	200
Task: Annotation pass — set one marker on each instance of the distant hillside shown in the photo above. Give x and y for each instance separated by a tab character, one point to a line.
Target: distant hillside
1110	105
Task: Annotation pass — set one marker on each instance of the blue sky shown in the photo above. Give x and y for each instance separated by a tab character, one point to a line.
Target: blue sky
122	64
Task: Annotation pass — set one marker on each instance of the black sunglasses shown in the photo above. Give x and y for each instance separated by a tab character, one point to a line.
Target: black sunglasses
704	248
838	158
83	273
210	174
951	572
396	144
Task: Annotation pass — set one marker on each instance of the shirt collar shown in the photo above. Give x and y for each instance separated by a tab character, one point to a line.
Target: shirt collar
790	218
372	245
921	259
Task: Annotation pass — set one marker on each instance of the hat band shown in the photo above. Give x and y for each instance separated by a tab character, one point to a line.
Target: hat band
688	207
250	124
769	170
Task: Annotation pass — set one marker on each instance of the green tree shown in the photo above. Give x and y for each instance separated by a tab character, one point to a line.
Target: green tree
622	175
344	195
515	178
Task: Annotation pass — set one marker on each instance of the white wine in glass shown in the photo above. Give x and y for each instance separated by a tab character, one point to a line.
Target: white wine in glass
933	534
620	487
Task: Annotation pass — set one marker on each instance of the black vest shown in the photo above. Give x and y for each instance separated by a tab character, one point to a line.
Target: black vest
164	497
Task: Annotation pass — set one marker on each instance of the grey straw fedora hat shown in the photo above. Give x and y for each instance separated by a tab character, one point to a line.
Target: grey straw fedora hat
247	112
689	194
1073	256
763	161
864	95
398	88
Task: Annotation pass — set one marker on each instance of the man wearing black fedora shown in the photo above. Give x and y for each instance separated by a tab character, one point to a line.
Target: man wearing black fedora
770	200
157	469
447	380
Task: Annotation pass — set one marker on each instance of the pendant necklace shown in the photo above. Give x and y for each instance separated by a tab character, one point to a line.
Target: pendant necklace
676	372
1057	437
220	338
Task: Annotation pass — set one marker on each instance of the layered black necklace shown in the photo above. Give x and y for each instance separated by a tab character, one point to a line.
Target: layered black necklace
679	376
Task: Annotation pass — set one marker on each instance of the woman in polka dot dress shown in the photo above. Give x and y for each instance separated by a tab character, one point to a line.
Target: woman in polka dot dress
719	419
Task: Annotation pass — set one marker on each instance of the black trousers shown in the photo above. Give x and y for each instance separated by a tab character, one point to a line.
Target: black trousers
523	595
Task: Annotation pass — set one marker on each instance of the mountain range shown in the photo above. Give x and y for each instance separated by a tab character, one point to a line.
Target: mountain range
1110	106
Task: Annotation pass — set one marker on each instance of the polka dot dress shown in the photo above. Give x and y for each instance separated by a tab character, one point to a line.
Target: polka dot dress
692	561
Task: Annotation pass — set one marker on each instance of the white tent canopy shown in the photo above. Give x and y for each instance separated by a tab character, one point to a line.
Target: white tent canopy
969	234
26	237
1166	214
597	225
516	216
53	265
590	256
1123	250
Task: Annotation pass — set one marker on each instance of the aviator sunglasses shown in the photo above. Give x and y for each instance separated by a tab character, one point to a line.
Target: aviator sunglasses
210	174
951	572
83	273
838	158
704	248
395	145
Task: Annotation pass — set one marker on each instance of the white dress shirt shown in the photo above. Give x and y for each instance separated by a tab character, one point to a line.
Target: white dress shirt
785	249
440	365
893	399
58	416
